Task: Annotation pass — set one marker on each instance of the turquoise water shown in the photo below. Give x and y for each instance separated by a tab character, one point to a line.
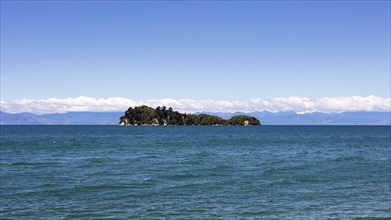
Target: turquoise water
267	172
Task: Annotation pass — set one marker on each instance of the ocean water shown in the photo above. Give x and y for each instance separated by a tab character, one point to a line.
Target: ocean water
186	172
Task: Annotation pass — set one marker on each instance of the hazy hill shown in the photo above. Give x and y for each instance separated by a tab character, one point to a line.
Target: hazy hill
316	118
70	118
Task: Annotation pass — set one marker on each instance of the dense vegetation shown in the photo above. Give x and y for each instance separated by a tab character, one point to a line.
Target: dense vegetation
144	115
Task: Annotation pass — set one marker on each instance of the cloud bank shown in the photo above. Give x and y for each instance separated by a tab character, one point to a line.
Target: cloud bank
296	104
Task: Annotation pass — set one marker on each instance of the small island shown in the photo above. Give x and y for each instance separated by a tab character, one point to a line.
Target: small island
161	116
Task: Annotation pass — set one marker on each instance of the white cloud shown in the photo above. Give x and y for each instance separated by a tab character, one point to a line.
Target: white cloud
297	104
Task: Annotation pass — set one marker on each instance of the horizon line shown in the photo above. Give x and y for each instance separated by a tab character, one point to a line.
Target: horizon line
299	105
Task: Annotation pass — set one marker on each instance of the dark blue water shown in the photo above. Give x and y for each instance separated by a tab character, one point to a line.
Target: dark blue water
267	172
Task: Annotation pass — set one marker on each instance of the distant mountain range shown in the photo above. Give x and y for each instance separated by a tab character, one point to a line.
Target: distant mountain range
70	118
266	118
316	118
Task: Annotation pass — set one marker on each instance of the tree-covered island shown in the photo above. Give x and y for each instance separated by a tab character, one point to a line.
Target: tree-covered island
144	115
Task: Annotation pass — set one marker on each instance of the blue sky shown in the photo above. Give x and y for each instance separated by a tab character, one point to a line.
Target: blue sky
194	49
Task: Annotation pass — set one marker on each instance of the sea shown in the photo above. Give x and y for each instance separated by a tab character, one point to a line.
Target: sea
195	172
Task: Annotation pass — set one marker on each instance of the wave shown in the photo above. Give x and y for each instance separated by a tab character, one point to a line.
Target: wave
26	164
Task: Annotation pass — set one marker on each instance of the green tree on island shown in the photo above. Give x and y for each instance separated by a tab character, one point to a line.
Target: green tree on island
144	115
